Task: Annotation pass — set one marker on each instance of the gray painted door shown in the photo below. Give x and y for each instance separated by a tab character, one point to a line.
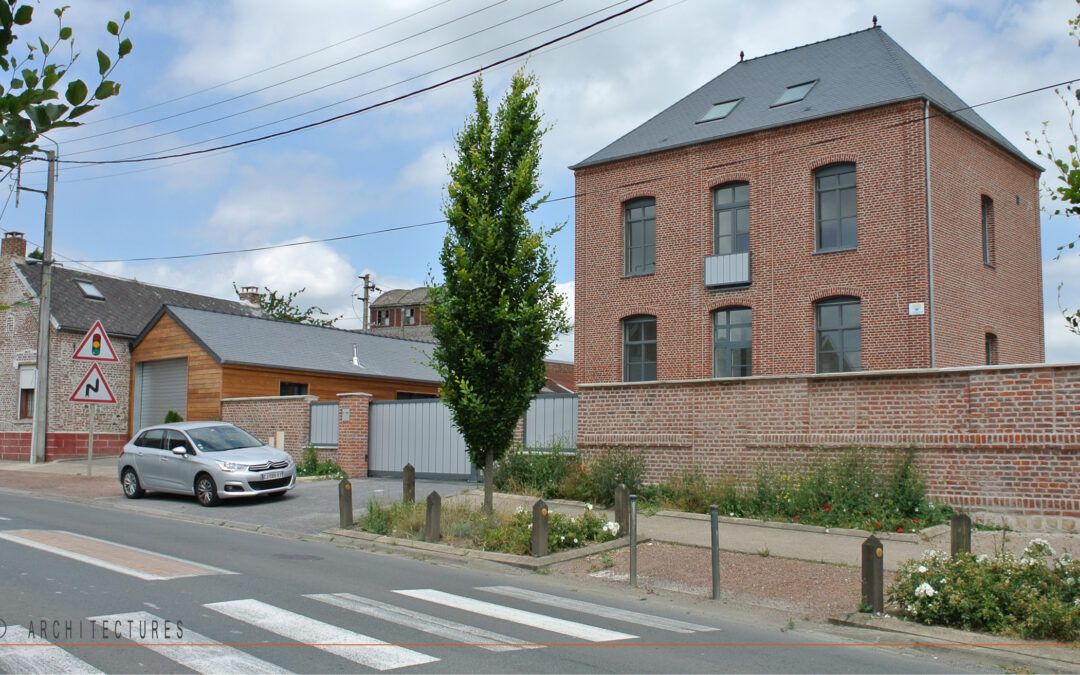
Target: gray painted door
160	386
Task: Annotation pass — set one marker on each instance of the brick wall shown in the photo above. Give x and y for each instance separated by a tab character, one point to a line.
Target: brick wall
353	415
888	270
263	416
15	445
997	440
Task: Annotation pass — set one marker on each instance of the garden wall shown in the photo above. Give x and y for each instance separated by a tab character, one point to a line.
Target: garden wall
998	441
263	416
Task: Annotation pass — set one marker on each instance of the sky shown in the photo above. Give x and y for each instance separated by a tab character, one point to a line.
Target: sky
203	74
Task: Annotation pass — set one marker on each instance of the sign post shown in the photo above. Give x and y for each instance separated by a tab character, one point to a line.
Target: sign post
93	388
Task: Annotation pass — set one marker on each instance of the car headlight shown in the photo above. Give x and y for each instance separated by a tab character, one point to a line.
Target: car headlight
232	466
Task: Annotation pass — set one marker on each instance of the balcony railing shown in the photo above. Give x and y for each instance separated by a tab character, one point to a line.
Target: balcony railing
729	269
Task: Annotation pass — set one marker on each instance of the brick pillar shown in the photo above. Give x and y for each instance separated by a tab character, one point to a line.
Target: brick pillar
353	434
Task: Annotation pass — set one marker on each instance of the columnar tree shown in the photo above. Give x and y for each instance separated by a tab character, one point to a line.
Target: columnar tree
497	310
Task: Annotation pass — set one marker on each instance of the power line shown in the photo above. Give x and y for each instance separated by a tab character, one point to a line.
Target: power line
381	104
917	120
545	51
282	82
261	71
357	96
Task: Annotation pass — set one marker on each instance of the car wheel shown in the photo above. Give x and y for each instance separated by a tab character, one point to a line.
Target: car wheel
206	490
130	482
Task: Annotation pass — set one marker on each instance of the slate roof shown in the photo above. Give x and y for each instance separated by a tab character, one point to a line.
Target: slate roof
128	304
253	341
853	72
398	297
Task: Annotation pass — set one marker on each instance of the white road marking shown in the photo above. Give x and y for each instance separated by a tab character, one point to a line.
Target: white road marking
599	610
21	653
548	623
3	518
355	647
451	630
191	650
13	536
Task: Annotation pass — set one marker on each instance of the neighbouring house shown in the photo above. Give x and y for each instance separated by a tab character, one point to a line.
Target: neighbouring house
400	312
188	360
829	208
78	299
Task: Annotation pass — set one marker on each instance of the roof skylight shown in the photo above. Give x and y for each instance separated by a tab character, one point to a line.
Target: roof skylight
89	289
719	111
796	92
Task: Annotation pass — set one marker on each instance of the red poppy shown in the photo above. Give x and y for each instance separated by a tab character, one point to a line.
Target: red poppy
899	529
914	520
796	517
879	524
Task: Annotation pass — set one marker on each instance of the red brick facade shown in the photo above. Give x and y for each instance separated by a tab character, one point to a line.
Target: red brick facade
264	416
16	444
888	270
992	440
353	415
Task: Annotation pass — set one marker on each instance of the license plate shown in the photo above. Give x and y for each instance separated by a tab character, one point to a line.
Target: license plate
273	475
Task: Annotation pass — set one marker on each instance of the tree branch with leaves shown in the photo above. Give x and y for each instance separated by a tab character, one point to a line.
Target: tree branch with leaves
29	105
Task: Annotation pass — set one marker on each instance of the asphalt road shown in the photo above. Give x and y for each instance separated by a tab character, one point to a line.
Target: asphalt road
258	603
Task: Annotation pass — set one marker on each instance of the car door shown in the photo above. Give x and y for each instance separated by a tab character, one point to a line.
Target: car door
179	470
148	459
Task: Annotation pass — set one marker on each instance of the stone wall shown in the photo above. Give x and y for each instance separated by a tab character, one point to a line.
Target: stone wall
1001	440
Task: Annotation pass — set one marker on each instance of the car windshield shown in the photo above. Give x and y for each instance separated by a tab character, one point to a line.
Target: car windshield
214	439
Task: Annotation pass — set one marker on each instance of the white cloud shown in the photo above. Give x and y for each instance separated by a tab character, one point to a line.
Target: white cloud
428	172
563	347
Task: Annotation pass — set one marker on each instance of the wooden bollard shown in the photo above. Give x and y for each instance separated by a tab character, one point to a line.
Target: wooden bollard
432	528
540	528
960	534
408	484
345	503
622	509
873	574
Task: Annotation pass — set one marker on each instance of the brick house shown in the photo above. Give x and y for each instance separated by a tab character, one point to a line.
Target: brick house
399	312
776	221
79	298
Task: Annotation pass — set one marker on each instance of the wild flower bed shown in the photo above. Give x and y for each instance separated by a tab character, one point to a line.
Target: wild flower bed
465	526
1033	596
309	465
870	489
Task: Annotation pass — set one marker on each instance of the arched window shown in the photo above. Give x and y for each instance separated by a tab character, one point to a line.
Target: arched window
988	230
839	335
834	187
639	349
640	246
731	342
991	349
731	218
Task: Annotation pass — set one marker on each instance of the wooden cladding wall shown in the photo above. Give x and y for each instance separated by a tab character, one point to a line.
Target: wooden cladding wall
241	381
167	340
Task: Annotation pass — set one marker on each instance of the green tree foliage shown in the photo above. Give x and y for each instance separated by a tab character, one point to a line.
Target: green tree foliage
29	105
497	310
283	306
1065	170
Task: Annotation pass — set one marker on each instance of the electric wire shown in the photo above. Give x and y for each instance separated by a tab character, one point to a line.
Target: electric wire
287	81
374	106
916	120
261	71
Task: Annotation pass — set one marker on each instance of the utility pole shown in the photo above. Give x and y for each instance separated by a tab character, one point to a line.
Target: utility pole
368	287
41	388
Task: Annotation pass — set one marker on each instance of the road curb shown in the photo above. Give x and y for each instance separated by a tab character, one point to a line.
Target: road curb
1051	651
526	562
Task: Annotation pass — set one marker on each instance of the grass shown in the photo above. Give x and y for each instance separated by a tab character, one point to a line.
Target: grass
309	465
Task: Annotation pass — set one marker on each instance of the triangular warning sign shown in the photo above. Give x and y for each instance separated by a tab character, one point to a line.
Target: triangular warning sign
95	346
93	388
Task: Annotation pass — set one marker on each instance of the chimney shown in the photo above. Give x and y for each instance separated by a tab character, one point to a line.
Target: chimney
13	245
249	295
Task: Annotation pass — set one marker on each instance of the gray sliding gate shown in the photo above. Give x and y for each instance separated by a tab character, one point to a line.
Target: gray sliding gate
420	432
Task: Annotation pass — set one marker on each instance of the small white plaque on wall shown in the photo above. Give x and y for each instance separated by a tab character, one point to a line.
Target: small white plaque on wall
916	308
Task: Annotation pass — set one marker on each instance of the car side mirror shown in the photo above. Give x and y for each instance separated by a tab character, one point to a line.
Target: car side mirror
179	450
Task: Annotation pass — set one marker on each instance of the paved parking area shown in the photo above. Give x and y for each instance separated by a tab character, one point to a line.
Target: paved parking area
312	506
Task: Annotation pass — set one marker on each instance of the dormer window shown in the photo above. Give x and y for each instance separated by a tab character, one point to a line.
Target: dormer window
719	111
796	92
89	289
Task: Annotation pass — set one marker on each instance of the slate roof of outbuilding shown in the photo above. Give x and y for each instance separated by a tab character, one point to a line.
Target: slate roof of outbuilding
397	297
253	341
861	70
128	303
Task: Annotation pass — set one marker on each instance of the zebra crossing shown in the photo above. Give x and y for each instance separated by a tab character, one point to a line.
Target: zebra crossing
446	621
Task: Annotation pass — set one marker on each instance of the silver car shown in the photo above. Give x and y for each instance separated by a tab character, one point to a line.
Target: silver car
211	460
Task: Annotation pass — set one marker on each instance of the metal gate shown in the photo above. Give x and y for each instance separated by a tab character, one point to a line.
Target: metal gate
323	426
420	433
551	422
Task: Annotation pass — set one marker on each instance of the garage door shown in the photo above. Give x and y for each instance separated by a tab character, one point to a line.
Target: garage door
160	386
